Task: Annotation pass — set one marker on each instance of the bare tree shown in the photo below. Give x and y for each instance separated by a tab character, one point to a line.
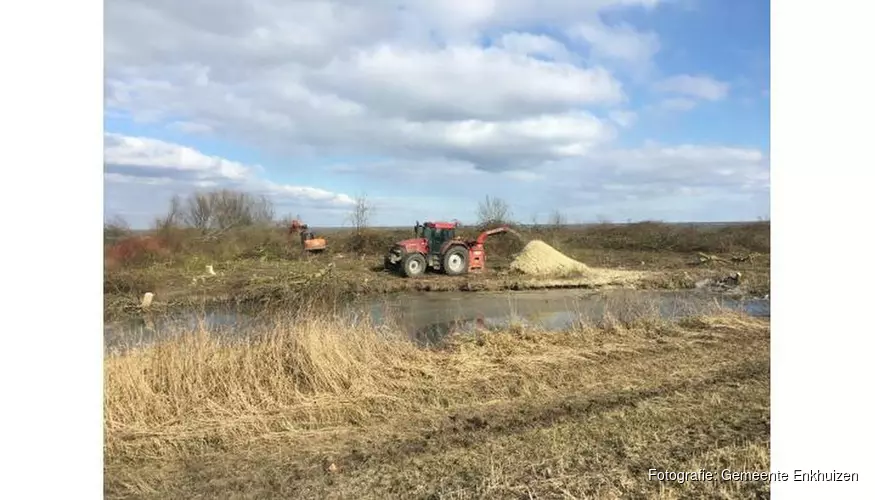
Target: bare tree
199	211
493	211
362	211
263	211
174	216
226	209
230	209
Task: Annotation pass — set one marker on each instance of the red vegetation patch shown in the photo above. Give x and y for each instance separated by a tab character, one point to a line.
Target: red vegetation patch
134	250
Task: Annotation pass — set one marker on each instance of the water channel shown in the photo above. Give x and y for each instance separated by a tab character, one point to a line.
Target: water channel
429	316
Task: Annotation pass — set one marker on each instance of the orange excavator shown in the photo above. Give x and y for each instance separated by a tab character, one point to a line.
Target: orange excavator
309	242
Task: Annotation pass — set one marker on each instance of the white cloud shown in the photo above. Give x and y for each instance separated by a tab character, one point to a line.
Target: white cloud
623	118
678	104
665	182
698	86
377	78
148	171
462	18
672	168
154	158
621	42
523	175
651	176
507	145
408	82
190	127
116	178
536	45
462	82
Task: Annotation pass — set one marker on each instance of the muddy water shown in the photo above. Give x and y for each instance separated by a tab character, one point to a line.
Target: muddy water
429	316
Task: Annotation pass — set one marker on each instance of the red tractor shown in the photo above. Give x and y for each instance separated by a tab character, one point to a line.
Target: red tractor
437	247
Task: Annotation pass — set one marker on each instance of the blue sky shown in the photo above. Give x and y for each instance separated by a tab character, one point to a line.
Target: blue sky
600	109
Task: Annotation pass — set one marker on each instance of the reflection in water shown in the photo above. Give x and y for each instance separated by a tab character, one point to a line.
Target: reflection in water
429	316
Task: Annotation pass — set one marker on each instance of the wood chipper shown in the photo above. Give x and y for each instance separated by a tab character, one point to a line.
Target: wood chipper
309	242
437	247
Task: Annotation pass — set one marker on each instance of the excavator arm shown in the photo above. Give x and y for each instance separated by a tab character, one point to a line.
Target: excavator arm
297	226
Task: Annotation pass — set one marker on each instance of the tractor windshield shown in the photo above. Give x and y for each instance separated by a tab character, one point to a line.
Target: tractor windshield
437	237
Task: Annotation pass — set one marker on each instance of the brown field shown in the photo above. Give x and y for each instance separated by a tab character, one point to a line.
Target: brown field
316	409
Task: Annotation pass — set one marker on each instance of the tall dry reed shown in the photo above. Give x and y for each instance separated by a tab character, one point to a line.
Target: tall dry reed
194	389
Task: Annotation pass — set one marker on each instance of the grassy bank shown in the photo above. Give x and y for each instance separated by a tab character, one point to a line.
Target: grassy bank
260	264
317	409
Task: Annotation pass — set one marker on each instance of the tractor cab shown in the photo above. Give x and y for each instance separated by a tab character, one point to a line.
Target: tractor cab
435	234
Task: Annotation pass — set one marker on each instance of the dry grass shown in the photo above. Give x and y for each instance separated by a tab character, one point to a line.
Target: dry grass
318	409
196	382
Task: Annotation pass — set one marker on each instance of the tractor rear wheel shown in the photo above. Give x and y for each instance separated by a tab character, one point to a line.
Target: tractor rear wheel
455	261
413	265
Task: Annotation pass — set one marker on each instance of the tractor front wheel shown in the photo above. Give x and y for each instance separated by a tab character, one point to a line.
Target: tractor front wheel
455	261
413	265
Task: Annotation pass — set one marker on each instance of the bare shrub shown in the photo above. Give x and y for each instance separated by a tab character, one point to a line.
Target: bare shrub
362	239
557	219
362	211
116	228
